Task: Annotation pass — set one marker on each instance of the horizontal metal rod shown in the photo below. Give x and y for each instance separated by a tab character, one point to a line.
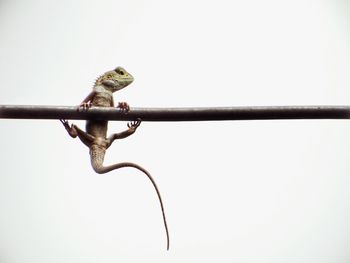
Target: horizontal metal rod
176	114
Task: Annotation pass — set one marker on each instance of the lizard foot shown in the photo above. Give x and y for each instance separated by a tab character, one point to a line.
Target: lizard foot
133	125
65	124
84	106
124	106
70	128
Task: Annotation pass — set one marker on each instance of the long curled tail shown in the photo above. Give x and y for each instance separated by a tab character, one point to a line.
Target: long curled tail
97	156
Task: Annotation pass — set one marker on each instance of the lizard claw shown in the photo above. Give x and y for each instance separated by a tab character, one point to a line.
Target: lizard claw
124	106
70	128
134	124
84	106
65	123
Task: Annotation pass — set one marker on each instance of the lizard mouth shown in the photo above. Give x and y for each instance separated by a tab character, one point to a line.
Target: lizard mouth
120	84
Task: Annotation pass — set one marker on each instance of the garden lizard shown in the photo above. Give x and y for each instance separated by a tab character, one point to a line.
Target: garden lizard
95	136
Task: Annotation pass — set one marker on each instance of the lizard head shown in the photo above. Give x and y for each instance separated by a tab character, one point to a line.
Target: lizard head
116	79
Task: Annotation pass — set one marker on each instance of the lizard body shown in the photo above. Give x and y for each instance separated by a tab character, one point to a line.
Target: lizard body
95	136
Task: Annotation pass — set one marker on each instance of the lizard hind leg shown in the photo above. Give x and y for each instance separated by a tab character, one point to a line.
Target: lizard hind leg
97	164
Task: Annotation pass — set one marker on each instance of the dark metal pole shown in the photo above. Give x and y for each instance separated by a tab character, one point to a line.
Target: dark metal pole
176	114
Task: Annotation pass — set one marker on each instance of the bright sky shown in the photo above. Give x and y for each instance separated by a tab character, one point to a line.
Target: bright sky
240	191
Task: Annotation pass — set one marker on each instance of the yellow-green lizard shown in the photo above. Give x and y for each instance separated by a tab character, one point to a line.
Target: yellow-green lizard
95	136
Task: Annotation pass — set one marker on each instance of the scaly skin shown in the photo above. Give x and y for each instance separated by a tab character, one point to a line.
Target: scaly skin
95	136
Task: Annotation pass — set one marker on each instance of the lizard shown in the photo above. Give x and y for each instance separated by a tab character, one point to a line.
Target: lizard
95	137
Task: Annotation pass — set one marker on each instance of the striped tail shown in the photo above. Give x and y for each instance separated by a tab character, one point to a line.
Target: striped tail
97	156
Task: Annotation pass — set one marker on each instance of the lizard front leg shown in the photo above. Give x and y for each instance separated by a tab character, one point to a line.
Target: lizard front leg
86	103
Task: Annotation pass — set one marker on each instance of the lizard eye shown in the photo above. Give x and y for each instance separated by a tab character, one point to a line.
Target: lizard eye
119	71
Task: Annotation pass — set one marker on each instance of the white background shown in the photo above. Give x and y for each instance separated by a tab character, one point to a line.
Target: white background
239	191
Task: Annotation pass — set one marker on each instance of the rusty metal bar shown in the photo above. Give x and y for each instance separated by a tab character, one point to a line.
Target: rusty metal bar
176	114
